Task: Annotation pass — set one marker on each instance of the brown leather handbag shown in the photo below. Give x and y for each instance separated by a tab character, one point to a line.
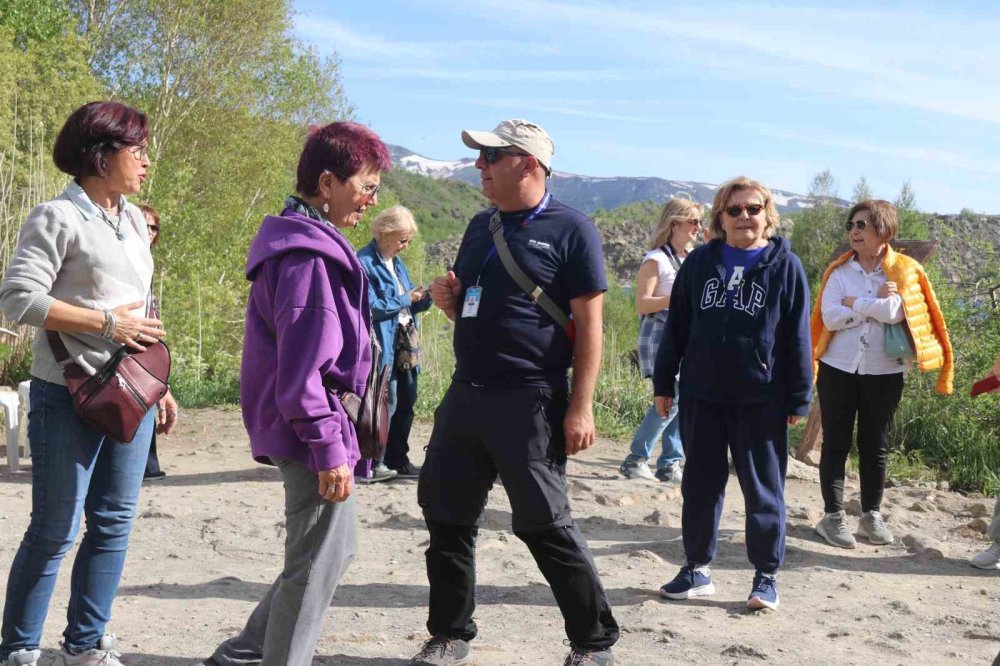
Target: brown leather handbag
116	399
370	412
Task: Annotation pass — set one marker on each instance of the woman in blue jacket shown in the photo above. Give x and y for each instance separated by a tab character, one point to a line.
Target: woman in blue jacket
739	321
395	303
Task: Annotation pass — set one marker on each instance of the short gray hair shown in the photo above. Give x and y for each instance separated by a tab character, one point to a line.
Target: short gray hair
393	219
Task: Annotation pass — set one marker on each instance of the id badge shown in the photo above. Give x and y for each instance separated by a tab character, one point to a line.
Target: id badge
473	295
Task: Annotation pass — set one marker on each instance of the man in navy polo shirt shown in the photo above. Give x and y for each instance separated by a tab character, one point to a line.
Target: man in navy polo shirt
510	409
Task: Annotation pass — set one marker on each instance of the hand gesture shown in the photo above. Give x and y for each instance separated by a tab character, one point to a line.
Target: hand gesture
133	331
335	485
446	291
888	289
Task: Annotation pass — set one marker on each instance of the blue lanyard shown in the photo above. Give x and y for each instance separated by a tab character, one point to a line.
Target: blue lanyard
492	254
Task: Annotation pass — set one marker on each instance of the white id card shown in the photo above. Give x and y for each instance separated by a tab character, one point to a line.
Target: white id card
470	308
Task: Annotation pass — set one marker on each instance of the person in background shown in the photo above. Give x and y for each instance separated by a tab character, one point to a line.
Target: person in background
395	303
82	267
990	558
869	287
509	410
739	324
152	219
668	245
307	332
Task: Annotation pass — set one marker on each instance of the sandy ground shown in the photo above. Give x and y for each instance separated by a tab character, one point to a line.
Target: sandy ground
208	542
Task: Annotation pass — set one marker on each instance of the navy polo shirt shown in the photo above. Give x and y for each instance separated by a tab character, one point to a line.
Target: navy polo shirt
513	342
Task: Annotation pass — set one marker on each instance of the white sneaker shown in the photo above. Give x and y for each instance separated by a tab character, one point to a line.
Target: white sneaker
102	655
636	470
988	559
22	658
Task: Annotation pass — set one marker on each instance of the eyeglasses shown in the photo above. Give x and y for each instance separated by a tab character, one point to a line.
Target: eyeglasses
860	224
491	155
695	222
370	191
404	241
139	152
751	209
155	228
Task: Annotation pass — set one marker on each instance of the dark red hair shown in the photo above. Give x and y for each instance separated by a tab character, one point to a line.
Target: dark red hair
342	149
95	131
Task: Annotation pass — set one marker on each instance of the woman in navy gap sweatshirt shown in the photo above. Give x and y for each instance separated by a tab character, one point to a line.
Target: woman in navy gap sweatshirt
739	322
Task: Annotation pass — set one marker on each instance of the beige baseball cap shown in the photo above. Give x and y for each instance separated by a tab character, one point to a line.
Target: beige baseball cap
524	134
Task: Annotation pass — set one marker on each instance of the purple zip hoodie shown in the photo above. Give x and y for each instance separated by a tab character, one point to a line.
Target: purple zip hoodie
306	329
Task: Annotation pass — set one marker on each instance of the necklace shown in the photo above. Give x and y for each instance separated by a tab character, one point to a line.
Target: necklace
116	225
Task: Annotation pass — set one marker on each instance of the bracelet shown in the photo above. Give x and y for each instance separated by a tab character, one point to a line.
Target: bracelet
110	324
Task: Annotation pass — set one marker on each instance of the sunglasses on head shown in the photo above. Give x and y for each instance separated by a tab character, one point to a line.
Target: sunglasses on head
492	154
751	209
860	224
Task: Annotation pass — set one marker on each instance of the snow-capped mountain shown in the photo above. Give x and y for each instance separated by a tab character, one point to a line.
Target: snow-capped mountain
588	193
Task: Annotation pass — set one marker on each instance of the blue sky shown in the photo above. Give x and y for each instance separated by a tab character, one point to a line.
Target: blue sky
704	91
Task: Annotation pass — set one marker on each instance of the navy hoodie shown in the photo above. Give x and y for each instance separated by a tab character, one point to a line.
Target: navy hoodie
756	350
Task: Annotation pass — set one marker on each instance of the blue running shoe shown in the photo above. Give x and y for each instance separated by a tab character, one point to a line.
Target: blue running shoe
764	593
691	581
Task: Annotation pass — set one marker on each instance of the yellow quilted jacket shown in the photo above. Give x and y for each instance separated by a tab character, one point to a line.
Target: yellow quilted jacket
920	306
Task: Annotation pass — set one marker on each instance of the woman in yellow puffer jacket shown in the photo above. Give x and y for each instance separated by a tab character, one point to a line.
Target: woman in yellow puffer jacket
863	291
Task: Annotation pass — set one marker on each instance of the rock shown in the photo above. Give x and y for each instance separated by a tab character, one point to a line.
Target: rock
812	458
155	513
978	510
978	525
982	635
743	651
852	475
802	470
669	495
810	514
649	556
579	486
943	485
617	501
922	506
925	547
657	518
738	538
853	507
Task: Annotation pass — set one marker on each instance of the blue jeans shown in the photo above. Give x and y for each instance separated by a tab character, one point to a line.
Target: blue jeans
402	398
74	468
653	428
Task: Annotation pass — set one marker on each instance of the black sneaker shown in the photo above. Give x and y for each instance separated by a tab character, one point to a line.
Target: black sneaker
154	476
407	471
442	651
581	657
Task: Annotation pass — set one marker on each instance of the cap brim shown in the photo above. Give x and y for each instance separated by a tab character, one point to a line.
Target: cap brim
477	140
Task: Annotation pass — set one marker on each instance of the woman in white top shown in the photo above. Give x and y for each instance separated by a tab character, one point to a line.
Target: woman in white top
675	231
857	381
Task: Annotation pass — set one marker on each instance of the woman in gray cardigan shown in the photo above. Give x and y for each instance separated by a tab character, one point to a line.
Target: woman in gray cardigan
82	267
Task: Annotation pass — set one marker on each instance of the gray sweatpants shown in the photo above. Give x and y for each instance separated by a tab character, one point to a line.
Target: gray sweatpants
320	543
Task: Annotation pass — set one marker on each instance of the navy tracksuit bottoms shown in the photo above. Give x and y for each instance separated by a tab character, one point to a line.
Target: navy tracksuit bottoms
757	435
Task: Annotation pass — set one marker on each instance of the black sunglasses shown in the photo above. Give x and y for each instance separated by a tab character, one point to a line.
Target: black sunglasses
751	209
860	224
155	228
492	154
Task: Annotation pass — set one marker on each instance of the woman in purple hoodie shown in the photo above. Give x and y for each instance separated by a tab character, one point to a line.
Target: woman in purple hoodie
306	332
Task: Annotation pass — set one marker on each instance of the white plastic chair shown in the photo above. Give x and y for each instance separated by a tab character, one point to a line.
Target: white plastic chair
10	404
24	393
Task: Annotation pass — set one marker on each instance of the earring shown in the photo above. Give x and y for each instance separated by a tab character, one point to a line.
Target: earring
326	208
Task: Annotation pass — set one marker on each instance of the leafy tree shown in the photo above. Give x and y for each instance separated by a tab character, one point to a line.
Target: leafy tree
818	230
862	191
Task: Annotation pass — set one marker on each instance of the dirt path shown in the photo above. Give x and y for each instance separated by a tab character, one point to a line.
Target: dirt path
209	541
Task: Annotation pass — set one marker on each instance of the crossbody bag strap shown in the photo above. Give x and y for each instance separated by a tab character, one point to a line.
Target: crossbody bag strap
522	279
671	253
58	348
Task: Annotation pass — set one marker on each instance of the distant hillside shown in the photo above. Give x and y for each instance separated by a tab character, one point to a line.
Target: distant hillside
586	193
441	208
